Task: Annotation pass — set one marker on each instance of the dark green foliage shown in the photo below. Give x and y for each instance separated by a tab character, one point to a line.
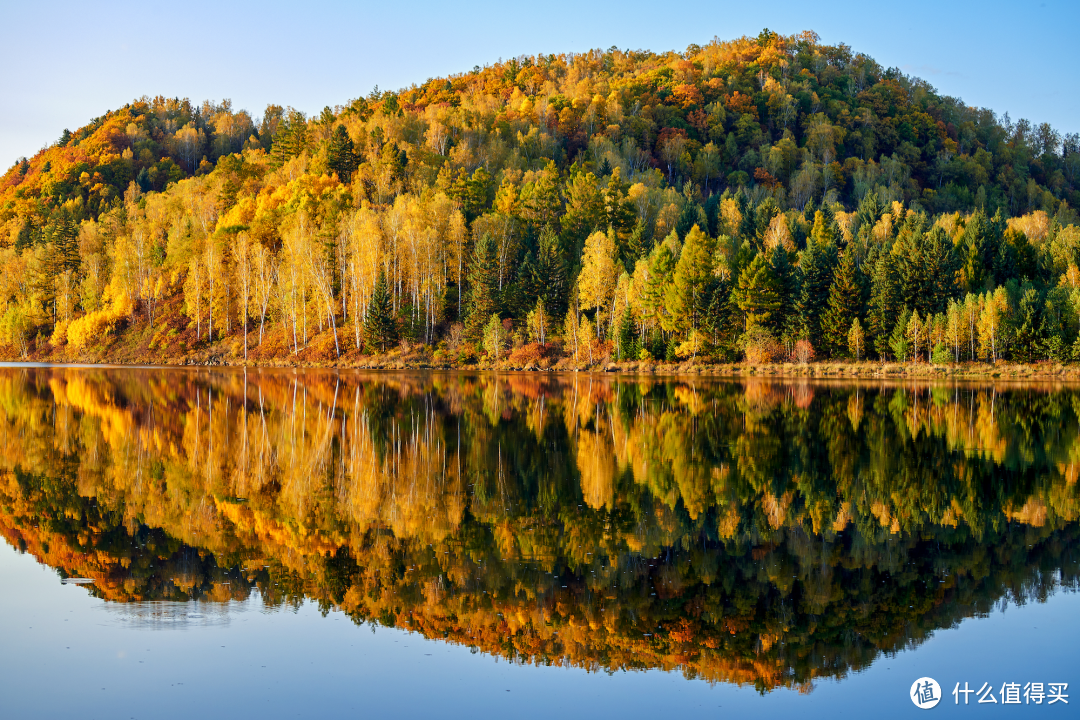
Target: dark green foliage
626	345
380	328
845	305
758	294
898	345
815	271
291	137
723	320
484	297
341	155
885	302
787	279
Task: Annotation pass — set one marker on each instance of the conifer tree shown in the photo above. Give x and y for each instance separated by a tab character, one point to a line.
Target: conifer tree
758	293
884	302
722	319
816	271
549	278
898	339
624	337
341	156
788	279
380	328
484	299
845	305
824	230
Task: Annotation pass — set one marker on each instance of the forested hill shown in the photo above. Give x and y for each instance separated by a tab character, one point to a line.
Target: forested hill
559	195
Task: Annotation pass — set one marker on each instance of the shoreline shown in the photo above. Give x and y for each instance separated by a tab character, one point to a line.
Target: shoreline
422	361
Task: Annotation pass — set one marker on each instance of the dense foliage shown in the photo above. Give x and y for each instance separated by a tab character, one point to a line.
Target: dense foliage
756	198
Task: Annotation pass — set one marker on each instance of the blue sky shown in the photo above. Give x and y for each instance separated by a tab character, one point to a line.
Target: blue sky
66	62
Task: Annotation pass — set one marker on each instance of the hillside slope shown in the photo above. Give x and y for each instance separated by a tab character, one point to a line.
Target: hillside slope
761	198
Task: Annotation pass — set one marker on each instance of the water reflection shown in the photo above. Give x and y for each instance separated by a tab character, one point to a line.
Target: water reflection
756	532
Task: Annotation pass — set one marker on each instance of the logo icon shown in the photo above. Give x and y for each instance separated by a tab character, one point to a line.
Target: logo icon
925	693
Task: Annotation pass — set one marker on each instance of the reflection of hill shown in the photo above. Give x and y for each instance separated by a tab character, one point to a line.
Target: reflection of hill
754	532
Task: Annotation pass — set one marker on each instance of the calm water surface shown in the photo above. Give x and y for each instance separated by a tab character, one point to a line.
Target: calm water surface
221	544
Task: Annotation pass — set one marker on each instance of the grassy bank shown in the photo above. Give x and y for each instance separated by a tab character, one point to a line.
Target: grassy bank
137	343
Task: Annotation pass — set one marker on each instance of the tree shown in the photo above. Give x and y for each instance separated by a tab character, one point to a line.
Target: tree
995	306
884	302
787	277
549	273
484	296
537	322
341	155
691	290
898	339
916	333
816	273
845	305
380	329
758	293
625	346
494	336
599	271
855	340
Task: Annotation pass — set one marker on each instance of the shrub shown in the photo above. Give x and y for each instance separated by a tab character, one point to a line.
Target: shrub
93	326
942	355
803	352
531	353
760	346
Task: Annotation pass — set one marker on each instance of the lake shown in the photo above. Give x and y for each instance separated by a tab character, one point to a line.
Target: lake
291	544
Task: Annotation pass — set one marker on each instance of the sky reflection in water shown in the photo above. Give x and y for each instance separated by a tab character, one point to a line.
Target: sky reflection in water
724	547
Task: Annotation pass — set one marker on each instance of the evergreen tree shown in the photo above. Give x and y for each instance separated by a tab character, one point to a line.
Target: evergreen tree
941	267
870	211
549	277
341	156
884	302
65	239
722	319
790	323
898	343
625	345
380	328
816	270
845	305
758	294
290	139
484	299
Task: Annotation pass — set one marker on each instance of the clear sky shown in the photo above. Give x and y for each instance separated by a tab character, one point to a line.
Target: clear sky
66	62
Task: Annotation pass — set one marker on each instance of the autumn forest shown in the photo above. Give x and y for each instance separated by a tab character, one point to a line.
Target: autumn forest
765	199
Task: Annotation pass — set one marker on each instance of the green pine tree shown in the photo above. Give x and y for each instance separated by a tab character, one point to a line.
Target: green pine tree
845	305
484	297
549	277
898	341
885	302
341	155
790	322
626	346
380	328
758	294
816	273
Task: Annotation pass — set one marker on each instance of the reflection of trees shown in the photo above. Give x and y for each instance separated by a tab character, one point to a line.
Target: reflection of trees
755	532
